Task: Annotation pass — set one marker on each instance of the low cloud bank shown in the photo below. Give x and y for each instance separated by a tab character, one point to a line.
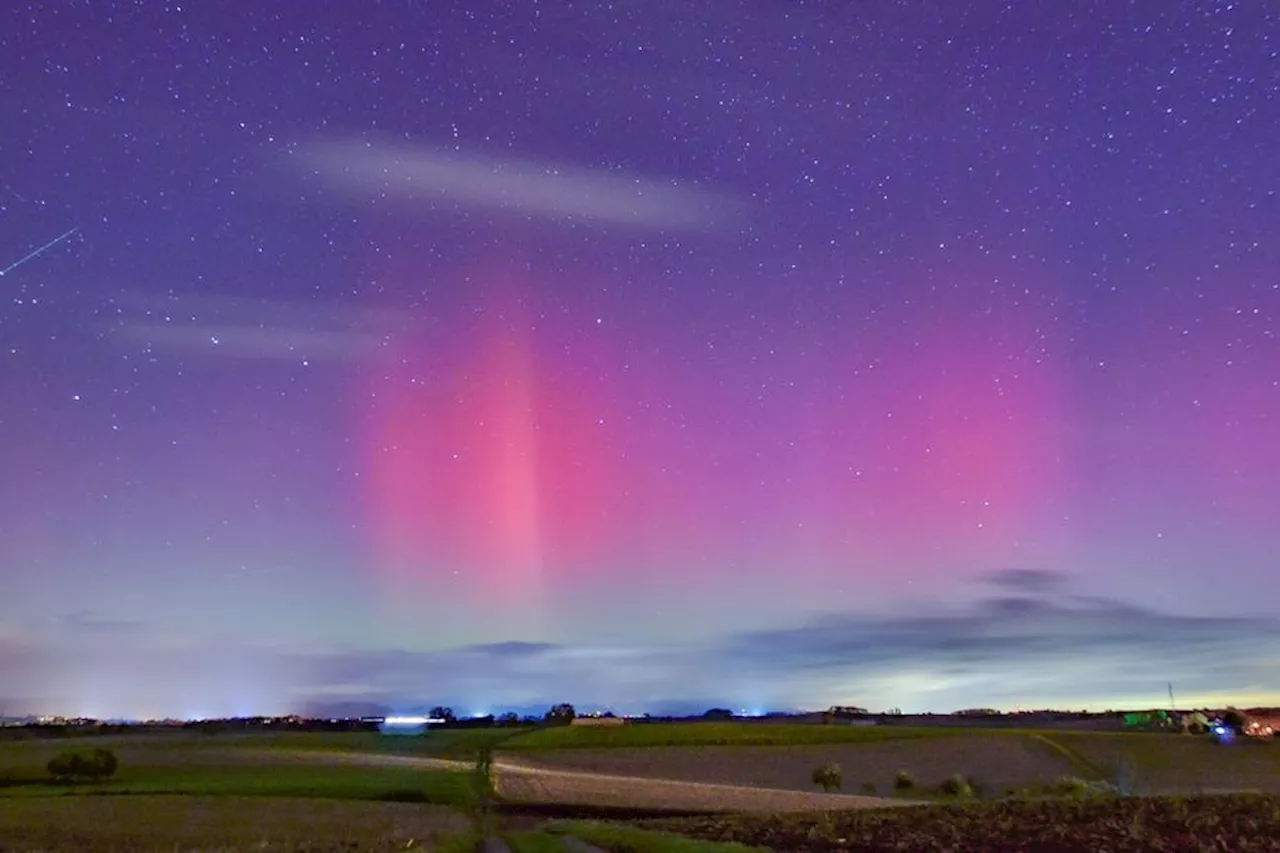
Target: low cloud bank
1026	643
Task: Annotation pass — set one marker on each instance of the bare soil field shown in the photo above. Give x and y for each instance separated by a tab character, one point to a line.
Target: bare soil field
996	761
540	785
1235	824
1180	764
111	824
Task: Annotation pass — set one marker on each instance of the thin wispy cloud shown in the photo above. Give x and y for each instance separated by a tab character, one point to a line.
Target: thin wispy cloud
267	342
238	328
1030	581
556	191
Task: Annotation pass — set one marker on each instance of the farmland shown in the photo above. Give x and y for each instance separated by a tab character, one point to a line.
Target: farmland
462	744
371	792
1238	824
783	757
247	766
1178	765
148	822
999	761
708	734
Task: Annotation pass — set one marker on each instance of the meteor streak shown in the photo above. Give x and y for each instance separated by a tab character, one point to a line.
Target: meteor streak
46	247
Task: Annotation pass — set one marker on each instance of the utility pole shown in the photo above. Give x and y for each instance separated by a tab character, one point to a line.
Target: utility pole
1172	705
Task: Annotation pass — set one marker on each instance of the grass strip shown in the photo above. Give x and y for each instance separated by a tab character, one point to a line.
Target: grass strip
619	838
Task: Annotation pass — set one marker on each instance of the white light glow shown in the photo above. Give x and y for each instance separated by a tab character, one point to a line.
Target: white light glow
413	721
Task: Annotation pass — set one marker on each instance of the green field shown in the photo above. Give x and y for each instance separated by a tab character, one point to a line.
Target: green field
459	744
224	823
443	743
250	766
711	734
1157	763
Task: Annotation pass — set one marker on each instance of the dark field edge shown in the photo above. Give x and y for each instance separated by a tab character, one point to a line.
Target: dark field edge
405	796
564	811
1168	810
391	795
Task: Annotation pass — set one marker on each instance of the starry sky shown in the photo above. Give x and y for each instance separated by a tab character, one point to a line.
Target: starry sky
644	355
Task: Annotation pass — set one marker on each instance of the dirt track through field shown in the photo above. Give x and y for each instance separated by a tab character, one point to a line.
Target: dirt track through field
529	783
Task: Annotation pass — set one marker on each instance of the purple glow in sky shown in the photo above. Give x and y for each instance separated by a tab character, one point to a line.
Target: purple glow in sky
641	356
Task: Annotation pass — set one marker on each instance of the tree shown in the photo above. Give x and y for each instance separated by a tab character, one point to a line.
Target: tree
562	714
828	776
441	712
718	714
63	767
1235	719
99	764
510	718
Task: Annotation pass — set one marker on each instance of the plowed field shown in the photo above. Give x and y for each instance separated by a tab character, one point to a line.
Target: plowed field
1233	824
996	761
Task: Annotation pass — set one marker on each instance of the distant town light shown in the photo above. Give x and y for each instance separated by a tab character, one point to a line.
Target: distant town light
413	721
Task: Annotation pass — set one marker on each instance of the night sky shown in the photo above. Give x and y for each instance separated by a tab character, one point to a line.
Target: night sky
642	355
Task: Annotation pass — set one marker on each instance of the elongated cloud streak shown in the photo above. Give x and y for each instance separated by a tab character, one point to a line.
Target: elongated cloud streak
521	186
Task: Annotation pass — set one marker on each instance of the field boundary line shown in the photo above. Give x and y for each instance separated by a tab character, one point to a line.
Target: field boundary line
1075	759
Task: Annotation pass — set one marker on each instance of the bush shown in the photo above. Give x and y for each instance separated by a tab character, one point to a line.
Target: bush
904	781
64	767
99	764
956	785
1070	786
1102	788
93	765
828	776
1077	788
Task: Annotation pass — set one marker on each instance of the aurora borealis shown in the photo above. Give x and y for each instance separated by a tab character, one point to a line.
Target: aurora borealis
638	355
